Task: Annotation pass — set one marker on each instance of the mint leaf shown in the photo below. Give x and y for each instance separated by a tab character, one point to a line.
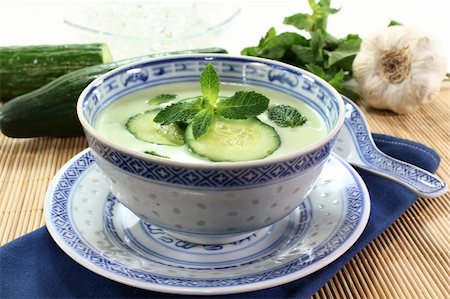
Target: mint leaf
335	77
243	104
317	70
210	84
271	33
180	112
304	54
286	116
253	51
323	8
300	20
162	98
202	121
345	53
317	43
279	45
250	51
331	42
337	81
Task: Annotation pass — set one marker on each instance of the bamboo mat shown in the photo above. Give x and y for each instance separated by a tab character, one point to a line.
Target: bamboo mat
409	260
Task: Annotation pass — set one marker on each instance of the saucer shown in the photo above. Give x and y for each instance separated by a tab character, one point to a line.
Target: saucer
94	229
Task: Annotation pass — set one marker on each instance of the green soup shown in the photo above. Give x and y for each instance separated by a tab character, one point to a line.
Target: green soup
111	122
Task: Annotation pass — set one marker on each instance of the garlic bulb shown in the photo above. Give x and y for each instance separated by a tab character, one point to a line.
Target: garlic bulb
399	69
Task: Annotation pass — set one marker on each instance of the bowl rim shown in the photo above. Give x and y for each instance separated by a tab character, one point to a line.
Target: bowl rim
210	165
86	28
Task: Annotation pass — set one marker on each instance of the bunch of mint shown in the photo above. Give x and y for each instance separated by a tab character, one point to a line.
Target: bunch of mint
321	53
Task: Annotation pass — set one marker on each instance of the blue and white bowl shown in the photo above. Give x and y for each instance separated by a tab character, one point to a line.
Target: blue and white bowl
214	202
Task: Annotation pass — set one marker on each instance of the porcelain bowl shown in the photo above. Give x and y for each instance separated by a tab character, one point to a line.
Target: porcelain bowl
217	202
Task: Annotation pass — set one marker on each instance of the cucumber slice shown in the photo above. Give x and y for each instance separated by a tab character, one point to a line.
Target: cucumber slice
144	128
234	140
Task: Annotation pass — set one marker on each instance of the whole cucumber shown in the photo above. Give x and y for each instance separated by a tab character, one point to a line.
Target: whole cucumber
51	109
26	68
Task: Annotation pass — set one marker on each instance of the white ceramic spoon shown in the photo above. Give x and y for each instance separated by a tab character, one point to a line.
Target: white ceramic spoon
355	144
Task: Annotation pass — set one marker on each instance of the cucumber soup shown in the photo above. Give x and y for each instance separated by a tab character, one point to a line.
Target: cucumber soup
112	121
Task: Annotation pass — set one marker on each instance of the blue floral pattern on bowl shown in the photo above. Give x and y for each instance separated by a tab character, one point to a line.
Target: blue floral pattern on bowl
219	178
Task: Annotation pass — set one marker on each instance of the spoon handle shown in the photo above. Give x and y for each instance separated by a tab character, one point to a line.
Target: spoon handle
370	158
420	181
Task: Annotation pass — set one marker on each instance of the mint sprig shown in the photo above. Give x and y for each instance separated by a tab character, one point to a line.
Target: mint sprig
210	84
243	105
180	112
161	99
201	112
202	121
286	116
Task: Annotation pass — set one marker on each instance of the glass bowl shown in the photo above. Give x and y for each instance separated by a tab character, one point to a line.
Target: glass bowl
140	28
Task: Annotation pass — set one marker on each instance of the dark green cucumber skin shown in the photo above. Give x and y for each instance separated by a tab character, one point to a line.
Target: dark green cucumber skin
26	68
51	109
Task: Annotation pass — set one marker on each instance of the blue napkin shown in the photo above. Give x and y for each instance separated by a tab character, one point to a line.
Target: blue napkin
33	266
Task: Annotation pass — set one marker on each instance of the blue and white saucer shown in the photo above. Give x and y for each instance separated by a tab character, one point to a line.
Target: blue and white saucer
93	228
